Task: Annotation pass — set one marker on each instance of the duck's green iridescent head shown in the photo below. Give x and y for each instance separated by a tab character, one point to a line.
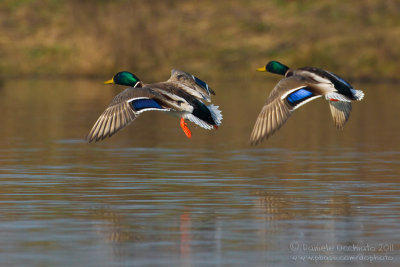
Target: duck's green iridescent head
275	67
124	78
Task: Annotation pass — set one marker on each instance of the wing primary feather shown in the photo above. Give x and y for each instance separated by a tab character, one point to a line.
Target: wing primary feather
118	118
112	123
92	132
270	129
102	131
273	119
107	125
261	125
98	129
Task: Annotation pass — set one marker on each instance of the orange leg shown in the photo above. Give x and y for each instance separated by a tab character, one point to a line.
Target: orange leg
185	128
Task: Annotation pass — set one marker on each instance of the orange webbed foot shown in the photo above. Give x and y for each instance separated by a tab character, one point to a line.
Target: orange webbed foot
185	128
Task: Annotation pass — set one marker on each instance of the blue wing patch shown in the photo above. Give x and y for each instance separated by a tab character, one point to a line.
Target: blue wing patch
144	103
299	96
201	83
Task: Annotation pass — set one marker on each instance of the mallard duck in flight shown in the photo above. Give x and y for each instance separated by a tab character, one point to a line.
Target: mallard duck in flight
182	95
297	88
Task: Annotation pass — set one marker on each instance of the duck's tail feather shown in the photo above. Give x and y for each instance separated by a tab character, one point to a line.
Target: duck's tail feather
358	94
197	121
333	96
216	114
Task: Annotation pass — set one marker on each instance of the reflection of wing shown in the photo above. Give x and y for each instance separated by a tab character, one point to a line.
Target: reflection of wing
192	85
123	110
340	112
289	94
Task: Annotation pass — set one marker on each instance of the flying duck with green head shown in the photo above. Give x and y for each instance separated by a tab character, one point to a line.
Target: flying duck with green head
182	95
299	87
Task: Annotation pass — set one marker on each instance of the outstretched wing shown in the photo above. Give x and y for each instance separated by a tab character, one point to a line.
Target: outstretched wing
289	94
124	109
270	119
192	85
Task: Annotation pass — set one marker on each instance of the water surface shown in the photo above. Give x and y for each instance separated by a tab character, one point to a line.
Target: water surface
149	196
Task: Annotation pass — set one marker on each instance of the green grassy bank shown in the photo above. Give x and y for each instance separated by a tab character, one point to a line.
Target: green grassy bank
358	39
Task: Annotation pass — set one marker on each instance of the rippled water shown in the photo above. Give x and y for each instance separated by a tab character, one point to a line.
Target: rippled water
149	196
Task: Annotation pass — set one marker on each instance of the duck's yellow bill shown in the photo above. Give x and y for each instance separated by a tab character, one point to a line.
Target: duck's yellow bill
109	81
262	69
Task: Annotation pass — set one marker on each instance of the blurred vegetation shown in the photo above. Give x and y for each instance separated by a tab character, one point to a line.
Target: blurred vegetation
358	39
